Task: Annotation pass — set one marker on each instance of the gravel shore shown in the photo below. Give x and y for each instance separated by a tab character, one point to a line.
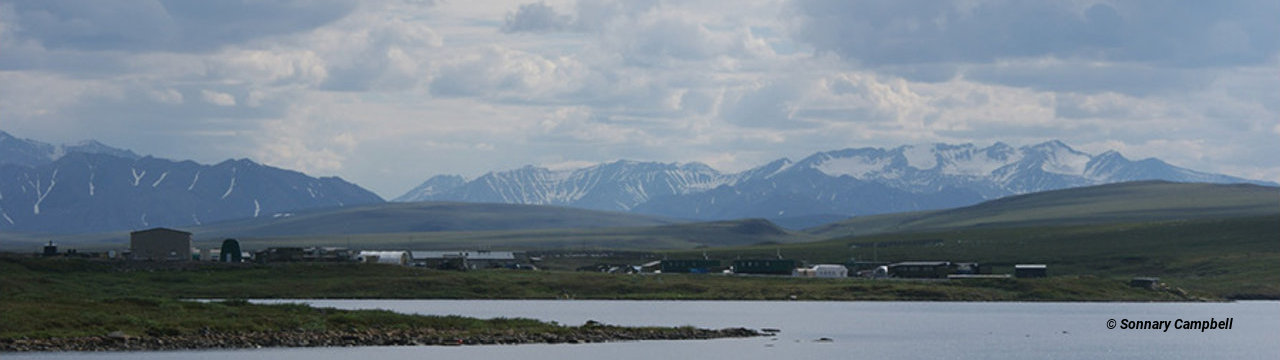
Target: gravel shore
117	341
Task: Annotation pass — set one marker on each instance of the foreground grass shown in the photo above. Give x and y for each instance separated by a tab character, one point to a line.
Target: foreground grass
45	298
64	298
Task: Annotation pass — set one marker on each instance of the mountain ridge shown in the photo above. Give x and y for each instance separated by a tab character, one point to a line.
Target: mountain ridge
850	181
90	187
27	152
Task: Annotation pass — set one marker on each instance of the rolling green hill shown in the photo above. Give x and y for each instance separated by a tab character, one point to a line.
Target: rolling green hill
1233	257
675	236
1105	204
368	220
426	217
1222	240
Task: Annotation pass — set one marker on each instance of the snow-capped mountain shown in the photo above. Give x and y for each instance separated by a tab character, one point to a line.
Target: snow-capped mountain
93	187
27	152
434	186
843	182
618	185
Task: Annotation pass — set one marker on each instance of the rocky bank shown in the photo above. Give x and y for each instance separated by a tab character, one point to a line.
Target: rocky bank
592	332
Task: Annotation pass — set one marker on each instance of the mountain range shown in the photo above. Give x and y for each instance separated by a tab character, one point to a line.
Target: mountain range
816	189
93	187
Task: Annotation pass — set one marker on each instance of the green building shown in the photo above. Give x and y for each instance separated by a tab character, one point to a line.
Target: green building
921	269
230	251
695	266
765	266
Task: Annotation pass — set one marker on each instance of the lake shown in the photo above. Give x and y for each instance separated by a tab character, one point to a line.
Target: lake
871	330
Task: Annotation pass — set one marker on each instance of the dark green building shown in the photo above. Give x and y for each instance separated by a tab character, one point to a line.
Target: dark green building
230	251
765	266
695	266
921	269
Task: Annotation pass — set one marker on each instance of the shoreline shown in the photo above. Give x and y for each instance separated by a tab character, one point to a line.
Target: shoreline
71	305
1188	300
589	333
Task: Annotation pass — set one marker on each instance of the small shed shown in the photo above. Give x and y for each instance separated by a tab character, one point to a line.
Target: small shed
207	254
1030	271
1150	283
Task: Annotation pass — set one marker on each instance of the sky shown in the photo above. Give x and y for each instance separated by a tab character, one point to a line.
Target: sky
386	93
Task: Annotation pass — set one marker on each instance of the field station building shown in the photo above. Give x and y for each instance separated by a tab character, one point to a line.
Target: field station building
464	260
385	257
1030	270
694	266
765	266
826	271
160	244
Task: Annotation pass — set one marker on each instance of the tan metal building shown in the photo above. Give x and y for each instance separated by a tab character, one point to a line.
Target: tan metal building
160	244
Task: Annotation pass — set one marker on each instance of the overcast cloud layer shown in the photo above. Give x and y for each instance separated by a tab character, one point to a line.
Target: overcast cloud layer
388	93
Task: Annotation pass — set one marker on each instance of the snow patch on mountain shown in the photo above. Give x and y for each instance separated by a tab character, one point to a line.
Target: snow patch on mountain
1066	163
920	157
968	160
194	180
230	187
858	167
160	180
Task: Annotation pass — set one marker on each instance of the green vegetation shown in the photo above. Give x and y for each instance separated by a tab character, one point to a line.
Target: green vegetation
1203	241
1234	258
61	298
1135	202
398	221
1222	240
397	217
70	297
677	236
672	236
33	279
71	300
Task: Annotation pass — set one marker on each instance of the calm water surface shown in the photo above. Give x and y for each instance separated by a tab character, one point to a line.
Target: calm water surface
858	330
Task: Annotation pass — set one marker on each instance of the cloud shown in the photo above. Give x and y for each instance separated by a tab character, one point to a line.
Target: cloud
536	17
1134	47
503	73
388	92
587	16
375	52
218	98
766	105
167	96
1184	34
179	26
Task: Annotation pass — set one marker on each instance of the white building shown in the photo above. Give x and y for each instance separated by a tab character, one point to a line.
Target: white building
463	259
822	271
385	257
